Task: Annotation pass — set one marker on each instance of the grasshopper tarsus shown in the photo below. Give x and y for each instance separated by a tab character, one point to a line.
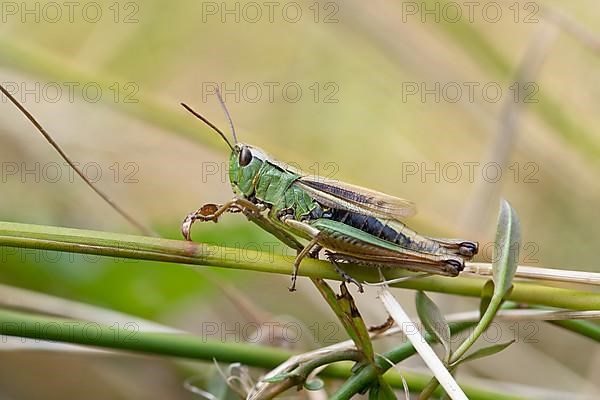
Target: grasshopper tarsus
208	212
186	226
204	213
454	266
345	276
468	249
292	287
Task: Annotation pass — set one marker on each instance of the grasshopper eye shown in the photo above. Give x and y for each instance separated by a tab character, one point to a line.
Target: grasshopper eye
245	156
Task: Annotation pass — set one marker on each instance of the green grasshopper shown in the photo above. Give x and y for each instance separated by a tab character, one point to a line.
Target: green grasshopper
351	223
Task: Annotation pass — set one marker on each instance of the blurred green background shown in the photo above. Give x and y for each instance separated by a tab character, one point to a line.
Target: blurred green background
364	92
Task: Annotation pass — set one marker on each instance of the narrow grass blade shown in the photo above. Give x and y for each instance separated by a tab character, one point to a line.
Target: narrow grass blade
420	344
484	352
433	321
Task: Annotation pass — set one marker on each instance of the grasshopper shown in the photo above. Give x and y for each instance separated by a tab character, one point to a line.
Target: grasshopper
350	223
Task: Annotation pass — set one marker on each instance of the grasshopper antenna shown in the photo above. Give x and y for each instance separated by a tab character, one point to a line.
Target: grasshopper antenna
64	156
227	114
207	122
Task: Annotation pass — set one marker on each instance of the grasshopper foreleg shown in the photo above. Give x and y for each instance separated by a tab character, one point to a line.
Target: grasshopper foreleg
212	212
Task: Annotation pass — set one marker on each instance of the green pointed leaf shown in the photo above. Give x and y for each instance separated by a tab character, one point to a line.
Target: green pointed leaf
433	321
487	292
484	352
278	378
506	249
344	307
314	384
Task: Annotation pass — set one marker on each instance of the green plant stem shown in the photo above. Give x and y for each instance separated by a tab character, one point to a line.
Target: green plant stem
178	251
429	389
589	329
13	323
299	375
482	325
361	380
416	383
584	328
33	326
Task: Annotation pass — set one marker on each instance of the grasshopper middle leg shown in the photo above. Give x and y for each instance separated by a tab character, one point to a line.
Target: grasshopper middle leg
345	276
306	251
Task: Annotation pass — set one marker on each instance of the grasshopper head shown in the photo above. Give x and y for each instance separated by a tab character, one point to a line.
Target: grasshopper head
244	164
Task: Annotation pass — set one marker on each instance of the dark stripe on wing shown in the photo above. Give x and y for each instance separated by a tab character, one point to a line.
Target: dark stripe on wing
365	223
339	192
